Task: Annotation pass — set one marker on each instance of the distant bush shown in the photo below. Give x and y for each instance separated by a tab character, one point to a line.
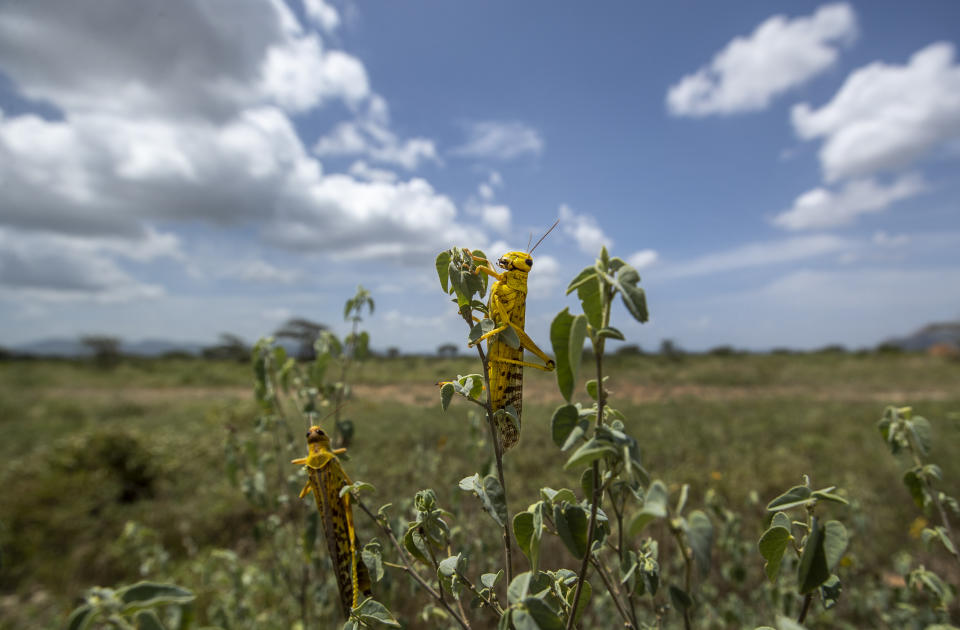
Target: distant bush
629	350
723	351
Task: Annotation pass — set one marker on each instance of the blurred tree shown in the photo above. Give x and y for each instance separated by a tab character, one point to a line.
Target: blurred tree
105	349
447	351
305	333
231	348
670	350
629	349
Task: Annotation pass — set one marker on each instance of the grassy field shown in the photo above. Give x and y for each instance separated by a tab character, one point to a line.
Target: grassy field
87	450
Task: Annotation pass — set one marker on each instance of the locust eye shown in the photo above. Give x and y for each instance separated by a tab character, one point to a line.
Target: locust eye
308	434
529	262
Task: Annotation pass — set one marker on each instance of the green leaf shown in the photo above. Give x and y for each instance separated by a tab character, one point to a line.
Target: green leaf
830	592
813	570
592	389
654	507
699	532
442	264
415	544
560	330
772	545
537	536
915	485
578	333
494	501
372	556
586	592
591	302
544	617
922	434
489	580
356	486
148	620
794	497
81	618
446	395
634	298
834	542
563	423
592	450
490	493
517	591
786	623
147	594
450	566
829	496
610	333
509	337
680	599
481	328
371	611
552	496
586	275
571	522
586	483
780	519
523	531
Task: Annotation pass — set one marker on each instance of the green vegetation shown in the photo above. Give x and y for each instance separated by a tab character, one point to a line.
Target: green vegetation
149	471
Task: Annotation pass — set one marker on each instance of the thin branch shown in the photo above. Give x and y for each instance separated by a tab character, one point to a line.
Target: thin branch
388	531
628	623
497	451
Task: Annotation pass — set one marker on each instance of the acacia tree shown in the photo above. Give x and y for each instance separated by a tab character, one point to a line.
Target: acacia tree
305	333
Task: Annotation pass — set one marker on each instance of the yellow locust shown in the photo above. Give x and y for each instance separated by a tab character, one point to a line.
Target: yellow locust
507	308
325	479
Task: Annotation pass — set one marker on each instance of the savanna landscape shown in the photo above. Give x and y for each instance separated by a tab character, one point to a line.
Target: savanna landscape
122	473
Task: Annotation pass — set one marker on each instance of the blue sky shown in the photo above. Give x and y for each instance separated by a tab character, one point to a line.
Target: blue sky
782	174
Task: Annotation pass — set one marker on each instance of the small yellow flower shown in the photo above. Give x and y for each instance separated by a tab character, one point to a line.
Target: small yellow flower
716	475
917	527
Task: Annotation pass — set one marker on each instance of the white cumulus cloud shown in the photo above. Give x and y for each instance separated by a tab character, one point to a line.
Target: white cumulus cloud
761	254
370	135
780	54
499	140
886	116
823	208
643	258
585	231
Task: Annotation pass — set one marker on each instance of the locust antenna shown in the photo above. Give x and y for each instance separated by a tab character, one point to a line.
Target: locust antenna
545	235
529	240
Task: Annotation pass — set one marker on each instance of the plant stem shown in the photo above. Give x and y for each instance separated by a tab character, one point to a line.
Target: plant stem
627	622
598	345
497	452
622	553
934	496
806	606
388	531
585	564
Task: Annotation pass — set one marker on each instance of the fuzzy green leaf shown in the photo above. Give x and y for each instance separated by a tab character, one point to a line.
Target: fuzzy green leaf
772	545
148	594
442	264
834	542
813	570
560	340
794	497
148	620
699	532
571	522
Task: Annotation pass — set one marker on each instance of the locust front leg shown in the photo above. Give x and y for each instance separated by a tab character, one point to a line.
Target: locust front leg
525	341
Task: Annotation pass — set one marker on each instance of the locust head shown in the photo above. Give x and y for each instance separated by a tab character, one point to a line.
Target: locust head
516	261
317	438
